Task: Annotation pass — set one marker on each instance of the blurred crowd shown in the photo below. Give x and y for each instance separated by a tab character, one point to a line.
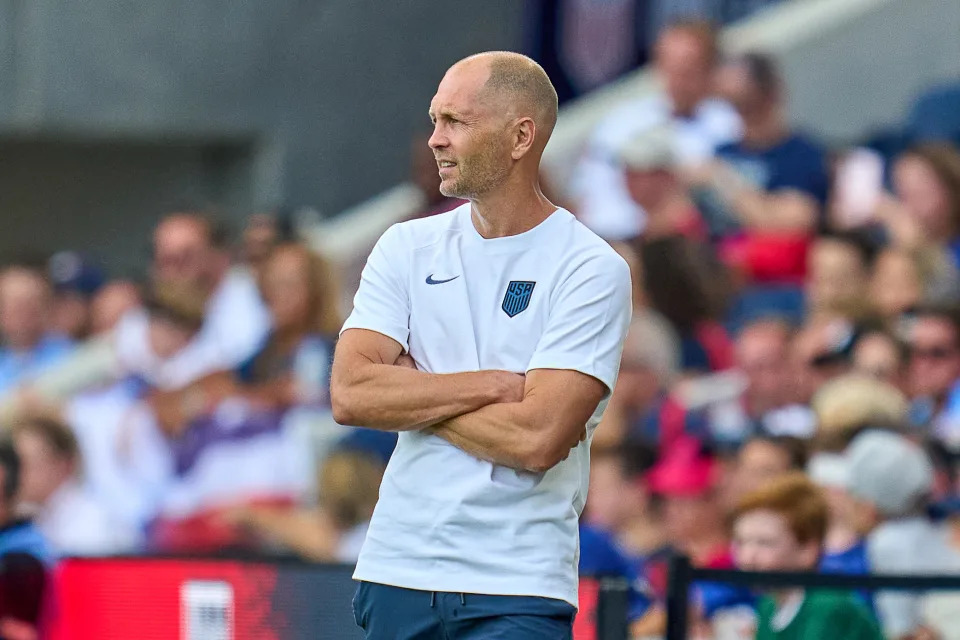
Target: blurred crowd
794	353
794	356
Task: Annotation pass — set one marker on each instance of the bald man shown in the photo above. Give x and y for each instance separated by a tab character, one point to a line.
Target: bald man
489	337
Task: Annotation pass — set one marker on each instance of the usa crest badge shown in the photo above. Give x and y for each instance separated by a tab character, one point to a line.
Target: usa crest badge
517	297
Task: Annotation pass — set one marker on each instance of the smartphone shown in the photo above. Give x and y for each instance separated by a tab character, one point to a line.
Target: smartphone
859	186
206	610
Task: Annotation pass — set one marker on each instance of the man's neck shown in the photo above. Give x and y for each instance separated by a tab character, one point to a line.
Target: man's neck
510	210
765	132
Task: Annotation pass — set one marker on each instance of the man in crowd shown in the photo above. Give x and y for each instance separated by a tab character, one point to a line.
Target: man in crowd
934	371
26	300
67	515
23	556
771	184
890	481
190	250
781	527
684	59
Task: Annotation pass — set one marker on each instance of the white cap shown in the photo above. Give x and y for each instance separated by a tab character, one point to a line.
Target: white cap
651	149
888	471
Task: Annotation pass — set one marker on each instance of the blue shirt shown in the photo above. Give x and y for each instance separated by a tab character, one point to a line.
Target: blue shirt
22	536
796	163
600	556
852	561
16	365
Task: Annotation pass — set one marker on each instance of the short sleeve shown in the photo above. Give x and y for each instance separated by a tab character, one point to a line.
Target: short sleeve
589	315
382	302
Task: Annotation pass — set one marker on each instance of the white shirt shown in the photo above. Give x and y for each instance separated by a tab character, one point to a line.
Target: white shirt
600	188
236	324
447	521
76	525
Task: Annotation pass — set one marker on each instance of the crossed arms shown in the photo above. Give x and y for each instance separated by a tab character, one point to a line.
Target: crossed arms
524	422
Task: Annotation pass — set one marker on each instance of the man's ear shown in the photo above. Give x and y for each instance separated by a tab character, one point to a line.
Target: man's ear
810	553
525	132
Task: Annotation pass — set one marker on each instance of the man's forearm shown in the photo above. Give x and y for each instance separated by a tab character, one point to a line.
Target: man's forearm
394	398
503	434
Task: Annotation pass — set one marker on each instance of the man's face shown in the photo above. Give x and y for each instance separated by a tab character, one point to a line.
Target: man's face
42	471
763	541
761	353
24	307
934	357
684	68
182	253
470	139
734	85
837	276
612	498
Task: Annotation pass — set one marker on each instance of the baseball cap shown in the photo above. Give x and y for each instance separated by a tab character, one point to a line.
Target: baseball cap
888	471
70	271
650	149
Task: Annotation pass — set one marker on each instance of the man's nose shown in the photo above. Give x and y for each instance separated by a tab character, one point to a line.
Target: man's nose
437	139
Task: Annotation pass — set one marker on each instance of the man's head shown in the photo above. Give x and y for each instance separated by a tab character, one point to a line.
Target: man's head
112	301
752	84
189	248
493	114
9	480
898	282
889	477
649	160
25	305
761	460
50	457
879	354
686	478
650	362
176	313
685	55
761	351
781	526
838	272
617	494
934	341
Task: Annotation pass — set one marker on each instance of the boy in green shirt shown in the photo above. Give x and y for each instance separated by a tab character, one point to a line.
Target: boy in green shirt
781	527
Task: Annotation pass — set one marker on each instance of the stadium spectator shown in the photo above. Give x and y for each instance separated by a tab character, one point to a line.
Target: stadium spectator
190	250
111	302
762	348
934	372
334	531
771	184
926	209
29	346
760	460
904	279
880	354
649	160
262	233
838	270
620	503
641	408
844	548
820	352
686	285
781	527
75	282
685	54
50	488
850	403
23	555
891	480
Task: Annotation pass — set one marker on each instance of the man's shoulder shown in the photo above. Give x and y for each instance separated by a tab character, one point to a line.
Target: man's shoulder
427	230
587	247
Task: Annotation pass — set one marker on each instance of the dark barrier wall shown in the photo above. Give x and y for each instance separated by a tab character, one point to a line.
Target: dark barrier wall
313	103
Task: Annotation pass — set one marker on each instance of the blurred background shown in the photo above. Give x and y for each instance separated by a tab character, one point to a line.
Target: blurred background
189	191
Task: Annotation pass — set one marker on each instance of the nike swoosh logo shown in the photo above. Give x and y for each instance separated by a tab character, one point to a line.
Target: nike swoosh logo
430	279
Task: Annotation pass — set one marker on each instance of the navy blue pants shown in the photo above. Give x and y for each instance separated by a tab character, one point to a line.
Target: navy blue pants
392	613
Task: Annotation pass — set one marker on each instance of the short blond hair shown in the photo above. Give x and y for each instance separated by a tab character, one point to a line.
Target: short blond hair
851	402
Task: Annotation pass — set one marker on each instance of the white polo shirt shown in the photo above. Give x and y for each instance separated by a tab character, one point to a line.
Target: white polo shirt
554	297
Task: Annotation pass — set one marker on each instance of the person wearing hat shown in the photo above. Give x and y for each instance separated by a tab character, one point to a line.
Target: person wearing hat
649	161
890	481
75	281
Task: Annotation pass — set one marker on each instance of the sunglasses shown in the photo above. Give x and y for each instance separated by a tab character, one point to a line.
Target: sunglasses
932	353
